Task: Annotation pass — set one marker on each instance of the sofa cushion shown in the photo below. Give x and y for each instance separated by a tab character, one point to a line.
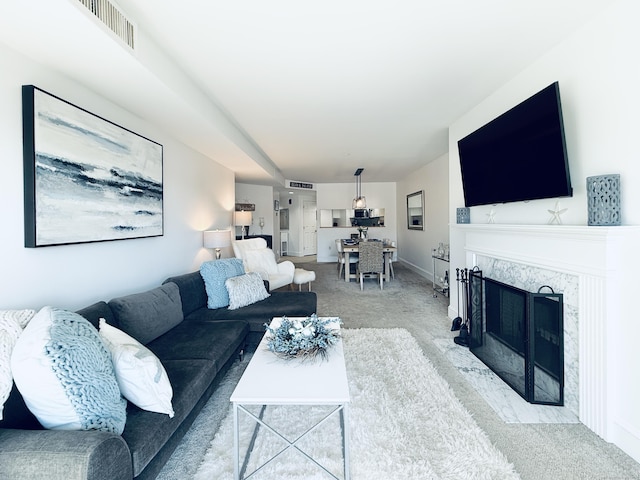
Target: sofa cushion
99	310
245	290
146	433
215	274
292	304
192	291
211	341
12	322
65	374
145	316
141	377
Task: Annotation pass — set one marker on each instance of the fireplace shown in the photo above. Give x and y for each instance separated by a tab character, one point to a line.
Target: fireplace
595	270
519	335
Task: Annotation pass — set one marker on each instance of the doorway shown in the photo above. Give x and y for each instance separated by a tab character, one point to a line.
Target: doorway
309	228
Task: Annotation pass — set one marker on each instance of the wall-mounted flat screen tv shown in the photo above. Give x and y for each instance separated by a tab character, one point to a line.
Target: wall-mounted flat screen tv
521	155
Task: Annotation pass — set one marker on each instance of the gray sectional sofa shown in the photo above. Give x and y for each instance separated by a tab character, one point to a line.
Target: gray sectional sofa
196	346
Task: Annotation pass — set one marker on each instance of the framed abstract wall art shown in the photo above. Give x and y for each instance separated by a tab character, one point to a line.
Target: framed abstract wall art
86	179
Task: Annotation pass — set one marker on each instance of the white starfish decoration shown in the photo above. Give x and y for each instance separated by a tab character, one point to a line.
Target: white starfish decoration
555	214
491	216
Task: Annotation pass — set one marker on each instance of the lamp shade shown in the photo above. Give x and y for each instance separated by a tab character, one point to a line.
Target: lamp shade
359	201
243	219
216	238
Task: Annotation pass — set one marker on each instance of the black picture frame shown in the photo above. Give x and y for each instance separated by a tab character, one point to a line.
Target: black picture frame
415	210
86	179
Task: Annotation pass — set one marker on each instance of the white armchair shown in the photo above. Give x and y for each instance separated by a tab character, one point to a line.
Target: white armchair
256	257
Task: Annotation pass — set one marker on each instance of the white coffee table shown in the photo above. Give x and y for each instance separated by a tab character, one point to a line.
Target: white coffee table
269	380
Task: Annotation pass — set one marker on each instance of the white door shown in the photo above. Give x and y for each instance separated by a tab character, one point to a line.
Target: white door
309	228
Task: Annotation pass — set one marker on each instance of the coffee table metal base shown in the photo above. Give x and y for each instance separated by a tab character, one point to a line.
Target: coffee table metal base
240	465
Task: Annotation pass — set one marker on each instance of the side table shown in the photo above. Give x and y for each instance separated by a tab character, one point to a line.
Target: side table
441	287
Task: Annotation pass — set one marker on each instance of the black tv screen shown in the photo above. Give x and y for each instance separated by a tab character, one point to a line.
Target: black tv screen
521	155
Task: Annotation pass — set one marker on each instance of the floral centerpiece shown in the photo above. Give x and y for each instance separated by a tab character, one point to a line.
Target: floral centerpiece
303	337
363	232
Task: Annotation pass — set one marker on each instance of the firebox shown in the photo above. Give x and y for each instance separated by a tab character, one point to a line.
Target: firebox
519	335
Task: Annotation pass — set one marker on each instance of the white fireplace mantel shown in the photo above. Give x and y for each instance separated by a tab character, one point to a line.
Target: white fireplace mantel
575	249
605	261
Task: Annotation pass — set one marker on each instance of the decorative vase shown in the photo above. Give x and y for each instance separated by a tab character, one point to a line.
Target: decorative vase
463	215
603	196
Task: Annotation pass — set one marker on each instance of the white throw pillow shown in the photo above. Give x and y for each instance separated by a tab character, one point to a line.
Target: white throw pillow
65	375
261	260
141	377
245	290
11	324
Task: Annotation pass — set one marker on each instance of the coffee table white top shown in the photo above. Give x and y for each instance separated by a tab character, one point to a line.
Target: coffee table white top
270	380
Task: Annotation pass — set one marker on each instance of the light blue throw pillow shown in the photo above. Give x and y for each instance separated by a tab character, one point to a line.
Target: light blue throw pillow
65	374
215	274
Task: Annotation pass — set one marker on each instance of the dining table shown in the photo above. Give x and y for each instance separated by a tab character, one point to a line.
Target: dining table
352	247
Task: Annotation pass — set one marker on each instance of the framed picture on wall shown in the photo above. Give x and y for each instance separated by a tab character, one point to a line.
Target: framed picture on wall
86	179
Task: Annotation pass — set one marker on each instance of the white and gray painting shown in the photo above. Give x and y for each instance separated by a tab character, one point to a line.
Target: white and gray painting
94	180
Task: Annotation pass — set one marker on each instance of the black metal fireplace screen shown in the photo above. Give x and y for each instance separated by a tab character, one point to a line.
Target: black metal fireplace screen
519	335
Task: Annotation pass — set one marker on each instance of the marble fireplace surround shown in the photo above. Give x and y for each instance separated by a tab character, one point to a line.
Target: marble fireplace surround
584	263
530	278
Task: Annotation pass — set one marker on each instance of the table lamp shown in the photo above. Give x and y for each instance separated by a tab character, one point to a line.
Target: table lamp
243	219
216	239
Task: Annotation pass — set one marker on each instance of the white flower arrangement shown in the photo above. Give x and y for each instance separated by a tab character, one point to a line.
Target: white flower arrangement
303	338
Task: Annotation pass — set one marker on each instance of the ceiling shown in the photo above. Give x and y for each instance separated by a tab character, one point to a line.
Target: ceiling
300	90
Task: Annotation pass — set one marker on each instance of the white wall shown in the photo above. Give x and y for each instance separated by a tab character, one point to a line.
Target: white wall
600	100
599	78
340	195
415	246
262	197
198	194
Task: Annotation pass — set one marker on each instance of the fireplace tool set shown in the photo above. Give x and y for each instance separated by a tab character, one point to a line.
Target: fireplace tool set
462	323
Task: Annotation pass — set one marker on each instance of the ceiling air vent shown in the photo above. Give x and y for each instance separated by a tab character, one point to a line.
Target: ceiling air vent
113	18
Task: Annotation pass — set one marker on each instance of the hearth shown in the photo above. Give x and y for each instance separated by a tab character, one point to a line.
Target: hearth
519	335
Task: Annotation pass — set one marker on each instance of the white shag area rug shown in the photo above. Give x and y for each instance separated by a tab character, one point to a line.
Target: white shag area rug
405	423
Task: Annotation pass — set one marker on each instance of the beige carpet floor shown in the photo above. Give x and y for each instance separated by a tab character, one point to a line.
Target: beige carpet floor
538	451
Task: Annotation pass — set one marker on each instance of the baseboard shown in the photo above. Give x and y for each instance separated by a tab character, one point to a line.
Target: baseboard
420	271
627	438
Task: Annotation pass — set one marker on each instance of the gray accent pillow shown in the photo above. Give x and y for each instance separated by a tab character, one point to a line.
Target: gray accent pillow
145	316
245	290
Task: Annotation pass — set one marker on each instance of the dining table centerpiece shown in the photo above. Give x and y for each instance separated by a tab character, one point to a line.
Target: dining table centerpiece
303	338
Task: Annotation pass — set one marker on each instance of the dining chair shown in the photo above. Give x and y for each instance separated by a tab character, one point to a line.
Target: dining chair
391	260
370	260
353	258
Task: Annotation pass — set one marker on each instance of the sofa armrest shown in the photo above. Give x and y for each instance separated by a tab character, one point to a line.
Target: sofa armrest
263	273
287	268
63	455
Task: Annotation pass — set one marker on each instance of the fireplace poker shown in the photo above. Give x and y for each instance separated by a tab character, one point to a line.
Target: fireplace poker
455	325
463	336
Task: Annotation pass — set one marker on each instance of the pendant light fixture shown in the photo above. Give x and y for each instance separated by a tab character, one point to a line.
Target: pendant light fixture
359	201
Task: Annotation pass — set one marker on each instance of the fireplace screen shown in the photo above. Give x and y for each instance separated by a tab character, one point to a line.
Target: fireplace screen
518	335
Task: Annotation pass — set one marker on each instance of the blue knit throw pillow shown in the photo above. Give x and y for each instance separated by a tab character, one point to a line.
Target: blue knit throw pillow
214	274
65	374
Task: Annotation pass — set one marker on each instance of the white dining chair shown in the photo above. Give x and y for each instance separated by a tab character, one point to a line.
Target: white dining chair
391	260
353	258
